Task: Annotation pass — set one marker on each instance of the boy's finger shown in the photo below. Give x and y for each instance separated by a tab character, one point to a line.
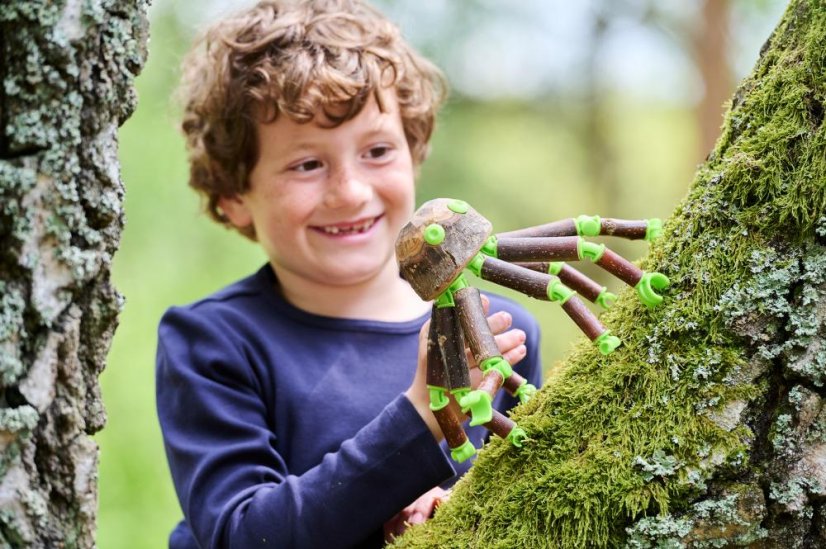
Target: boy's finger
510	340
515	355
485	303
499	322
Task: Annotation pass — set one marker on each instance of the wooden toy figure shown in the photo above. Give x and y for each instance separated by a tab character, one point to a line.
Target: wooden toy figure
447	237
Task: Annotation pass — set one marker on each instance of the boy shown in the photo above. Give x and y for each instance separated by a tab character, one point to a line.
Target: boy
293	403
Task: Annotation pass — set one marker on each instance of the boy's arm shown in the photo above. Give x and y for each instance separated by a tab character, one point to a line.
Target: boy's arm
236	490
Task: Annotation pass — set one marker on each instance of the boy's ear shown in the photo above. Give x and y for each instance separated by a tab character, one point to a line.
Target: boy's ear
236	210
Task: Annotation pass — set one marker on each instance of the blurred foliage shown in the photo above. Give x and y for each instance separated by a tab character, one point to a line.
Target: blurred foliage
517	163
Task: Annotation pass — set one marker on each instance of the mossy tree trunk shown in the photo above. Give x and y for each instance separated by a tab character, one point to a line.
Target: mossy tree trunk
66	74
708	427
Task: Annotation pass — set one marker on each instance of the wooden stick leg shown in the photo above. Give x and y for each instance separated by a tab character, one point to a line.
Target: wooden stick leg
504	427
451	343
461	448
563	248
620	267
590	325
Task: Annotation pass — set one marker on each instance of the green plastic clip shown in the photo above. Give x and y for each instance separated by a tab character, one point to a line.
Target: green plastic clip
463	452
434	234
653	229
479	405
525	392
588	225
517	436
458	206
555	268
647	288
605	299
489	247
607	343
499	364
438	397
557	291
475	265
589	250
445	299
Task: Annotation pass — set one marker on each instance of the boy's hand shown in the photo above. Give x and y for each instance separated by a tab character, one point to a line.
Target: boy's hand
511	345
415	513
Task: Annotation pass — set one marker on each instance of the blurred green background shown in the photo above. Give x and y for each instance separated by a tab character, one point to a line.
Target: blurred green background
557	111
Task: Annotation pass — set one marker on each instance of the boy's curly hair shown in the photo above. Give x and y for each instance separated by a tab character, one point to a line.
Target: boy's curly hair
296	58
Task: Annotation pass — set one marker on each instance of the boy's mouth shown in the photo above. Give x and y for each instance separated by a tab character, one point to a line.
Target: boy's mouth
356	227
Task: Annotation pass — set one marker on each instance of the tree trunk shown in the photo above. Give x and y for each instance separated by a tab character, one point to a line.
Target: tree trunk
708	427
67	70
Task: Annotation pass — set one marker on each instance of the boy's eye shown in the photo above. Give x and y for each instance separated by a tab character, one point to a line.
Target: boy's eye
307	166
378	151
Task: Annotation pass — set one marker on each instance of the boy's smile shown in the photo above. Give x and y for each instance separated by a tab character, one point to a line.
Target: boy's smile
327	203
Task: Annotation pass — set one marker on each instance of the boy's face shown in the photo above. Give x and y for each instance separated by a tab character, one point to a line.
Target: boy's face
328	203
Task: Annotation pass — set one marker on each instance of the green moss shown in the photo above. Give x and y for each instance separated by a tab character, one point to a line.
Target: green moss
630	437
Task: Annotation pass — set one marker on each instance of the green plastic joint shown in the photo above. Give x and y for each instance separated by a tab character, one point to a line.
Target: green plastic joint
588	225
589	250
499	364
458	206
490	245
445	299
555	267
606	343
434	234
438	397
559	292
605	299
648	286
517	436
475	265
654	229
463	452
478	403
525	392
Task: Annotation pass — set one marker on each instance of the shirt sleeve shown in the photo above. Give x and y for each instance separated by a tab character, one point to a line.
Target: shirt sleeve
234	487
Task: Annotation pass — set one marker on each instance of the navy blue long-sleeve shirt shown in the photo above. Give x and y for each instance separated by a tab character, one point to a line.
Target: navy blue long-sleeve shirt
288	429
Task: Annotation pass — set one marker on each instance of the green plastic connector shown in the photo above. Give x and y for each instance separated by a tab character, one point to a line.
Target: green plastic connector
479	405
647	288
438	397
605	299
654	229
555	268
557	291
607	343
475	265
517	436
589	250
434	234
525	392
588	225
499	364
489	247
463	452
445	299
458	206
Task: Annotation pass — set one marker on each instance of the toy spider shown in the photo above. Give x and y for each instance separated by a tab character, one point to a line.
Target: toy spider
445	238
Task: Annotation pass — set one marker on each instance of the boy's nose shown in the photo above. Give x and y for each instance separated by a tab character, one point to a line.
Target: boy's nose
347	188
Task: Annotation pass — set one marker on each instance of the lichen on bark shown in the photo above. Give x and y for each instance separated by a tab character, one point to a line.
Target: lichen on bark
66	84
706	428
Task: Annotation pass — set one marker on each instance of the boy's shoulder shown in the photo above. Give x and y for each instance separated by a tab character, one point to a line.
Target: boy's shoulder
228	305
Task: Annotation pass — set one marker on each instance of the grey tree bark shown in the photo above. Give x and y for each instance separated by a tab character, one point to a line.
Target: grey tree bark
67	70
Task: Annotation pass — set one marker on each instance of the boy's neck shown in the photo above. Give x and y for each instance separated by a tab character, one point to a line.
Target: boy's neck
384	297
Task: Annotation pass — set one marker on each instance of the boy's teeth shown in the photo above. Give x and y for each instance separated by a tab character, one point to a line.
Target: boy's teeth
354	229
